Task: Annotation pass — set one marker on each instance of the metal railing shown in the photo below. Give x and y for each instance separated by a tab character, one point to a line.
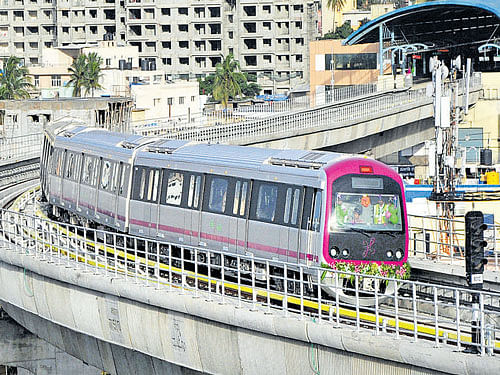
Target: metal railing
159	126
20	148
420	311
443	239
333	116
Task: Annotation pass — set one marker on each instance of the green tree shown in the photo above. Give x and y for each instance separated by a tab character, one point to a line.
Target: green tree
93	74
249	85
336	6
78	74
14	82
226	83
341	33
207	85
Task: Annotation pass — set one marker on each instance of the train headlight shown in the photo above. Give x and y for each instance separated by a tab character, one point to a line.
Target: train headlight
334	252
345	253
389	253
399	253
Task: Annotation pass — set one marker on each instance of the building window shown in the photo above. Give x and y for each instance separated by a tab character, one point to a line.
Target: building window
37	81
170	101
193	98
108	62
181	99
56	80
345	61
472	140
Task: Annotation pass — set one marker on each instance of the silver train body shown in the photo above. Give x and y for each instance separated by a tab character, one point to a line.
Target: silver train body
275	204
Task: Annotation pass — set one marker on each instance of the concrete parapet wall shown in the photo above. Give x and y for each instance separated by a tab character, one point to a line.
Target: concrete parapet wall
399	121
97	318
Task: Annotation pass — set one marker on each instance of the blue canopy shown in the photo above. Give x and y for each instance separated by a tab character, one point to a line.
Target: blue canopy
274	98
437	22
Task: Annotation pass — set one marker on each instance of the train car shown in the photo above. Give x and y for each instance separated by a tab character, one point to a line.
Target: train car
302	207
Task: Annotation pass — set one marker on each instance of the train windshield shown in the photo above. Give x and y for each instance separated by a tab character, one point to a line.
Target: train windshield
370	212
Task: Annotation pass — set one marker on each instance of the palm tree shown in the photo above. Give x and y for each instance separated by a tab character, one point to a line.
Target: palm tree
93	73
14	82
226	80
335	5
78	70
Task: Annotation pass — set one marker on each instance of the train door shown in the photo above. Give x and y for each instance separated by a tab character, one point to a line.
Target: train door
86	195
238	225
95	184
291	220
122	196
66	183
266	237
310	238
143	218
215	219
58	176
107	192
192	218
172	207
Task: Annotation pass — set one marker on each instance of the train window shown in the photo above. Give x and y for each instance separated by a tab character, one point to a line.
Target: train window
124	180
70	165
78	167
105	175
115	175
244	190
143	184
218	195
154	183
55	159
266	204
174	188
288	202
317	212
194	191
197	191
150	184
59	165
95	170
87	169
191	191
236	197
295	210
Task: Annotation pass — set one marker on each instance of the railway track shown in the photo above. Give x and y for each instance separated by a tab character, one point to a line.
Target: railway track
170	269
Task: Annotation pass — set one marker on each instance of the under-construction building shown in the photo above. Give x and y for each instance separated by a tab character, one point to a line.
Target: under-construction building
183	38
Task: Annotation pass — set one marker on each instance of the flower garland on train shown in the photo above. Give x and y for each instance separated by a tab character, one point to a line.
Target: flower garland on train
390	271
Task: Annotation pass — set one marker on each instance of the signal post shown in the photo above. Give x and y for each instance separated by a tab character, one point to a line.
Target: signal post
474	268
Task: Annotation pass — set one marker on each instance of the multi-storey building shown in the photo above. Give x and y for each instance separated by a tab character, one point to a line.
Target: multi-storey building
183	38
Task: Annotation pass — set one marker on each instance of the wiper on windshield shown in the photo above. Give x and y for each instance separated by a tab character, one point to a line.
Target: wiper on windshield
388	233
357	230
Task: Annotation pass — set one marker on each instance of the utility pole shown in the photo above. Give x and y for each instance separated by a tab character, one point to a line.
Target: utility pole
446	119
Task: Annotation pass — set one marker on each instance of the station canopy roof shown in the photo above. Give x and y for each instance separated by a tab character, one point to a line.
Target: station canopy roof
445	23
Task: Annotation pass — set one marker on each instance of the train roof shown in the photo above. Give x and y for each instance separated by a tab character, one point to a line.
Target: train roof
149	148
243	156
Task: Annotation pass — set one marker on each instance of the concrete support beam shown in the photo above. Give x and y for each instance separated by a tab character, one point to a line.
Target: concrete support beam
125	327
384	143
326	136
20	348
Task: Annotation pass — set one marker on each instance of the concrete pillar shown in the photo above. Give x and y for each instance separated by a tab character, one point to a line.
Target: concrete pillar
32	355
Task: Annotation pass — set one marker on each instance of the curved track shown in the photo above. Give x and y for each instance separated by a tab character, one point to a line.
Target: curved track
168	266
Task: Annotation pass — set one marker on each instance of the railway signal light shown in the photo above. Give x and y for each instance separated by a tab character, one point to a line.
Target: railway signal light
474	248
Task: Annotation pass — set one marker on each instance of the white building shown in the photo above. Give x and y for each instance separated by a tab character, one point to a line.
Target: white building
165	103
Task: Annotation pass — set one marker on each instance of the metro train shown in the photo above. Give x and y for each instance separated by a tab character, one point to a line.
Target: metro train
302	207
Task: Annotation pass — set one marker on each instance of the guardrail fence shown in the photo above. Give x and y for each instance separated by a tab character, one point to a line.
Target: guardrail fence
429	241
245	130
386	306
20	148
